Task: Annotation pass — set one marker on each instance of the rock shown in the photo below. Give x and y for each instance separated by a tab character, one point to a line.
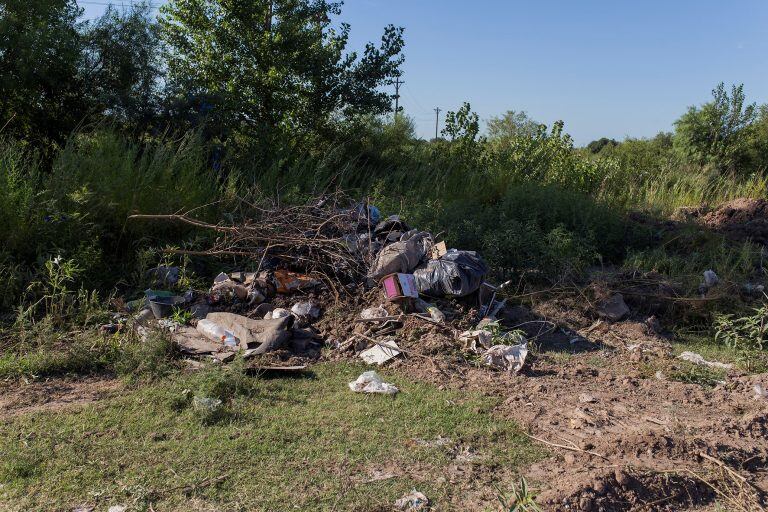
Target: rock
614	308
586	398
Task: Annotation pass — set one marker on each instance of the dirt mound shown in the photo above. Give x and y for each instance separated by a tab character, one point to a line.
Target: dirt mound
740	219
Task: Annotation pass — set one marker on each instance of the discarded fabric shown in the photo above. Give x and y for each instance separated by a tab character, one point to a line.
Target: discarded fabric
371	382
693	357
506	357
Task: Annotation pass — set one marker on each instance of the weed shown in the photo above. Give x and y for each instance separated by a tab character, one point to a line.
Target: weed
181	316
701	375
520	499
743	333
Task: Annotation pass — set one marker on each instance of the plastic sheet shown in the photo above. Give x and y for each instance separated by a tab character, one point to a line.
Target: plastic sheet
457	273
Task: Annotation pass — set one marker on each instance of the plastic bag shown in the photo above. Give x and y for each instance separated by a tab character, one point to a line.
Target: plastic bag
401	257
457	273
506	357
370	382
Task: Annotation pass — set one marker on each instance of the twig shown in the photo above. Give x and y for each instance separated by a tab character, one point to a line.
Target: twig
564	447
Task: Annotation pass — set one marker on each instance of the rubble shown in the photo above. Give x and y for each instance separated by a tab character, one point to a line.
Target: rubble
314	258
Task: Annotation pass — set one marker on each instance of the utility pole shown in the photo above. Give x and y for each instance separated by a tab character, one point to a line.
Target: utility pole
437	119
398	83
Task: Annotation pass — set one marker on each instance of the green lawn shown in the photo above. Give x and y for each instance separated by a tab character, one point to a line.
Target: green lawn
280	444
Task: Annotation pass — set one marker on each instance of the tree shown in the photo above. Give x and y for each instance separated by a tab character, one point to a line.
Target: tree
512	124
39	58
596	146
121	64
717	133
273	69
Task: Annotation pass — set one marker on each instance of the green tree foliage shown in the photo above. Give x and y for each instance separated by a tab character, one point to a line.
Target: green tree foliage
718	132
121	64
598	145
511	124
39	58
274	68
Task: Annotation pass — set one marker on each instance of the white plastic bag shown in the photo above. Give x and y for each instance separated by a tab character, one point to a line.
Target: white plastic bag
371	382
506	357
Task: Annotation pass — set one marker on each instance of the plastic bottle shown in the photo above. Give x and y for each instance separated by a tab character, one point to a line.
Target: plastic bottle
230	340
211	330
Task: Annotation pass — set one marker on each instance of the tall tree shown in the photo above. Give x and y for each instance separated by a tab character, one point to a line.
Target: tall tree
717	133
122	65
270	68
39	58
512	123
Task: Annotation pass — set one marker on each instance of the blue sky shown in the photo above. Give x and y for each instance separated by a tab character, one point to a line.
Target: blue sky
607	68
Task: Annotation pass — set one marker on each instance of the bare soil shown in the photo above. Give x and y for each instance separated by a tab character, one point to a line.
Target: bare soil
54	394
740	219
623	436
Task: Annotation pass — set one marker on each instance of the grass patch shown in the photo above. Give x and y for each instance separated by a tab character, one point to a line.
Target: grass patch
306	443
90	352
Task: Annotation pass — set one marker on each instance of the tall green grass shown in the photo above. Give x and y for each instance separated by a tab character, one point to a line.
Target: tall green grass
526	202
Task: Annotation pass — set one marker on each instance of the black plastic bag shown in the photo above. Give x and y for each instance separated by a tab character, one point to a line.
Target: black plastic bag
457	273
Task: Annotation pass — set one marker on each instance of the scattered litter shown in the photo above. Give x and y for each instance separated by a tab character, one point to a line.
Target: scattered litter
399	286
586	398
455	274
433	311
117	508
412	502
211	330
163	306
759	392
279	369
206	404
476	341
506	357
660	375
306	310
614	308
379	354
378	476
269	335
371	382
693	357
438	250
400	257
277	313
289	282
370	313
710	278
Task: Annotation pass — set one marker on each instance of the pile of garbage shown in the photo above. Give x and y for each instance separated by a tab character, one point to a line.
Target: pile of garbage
333	254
